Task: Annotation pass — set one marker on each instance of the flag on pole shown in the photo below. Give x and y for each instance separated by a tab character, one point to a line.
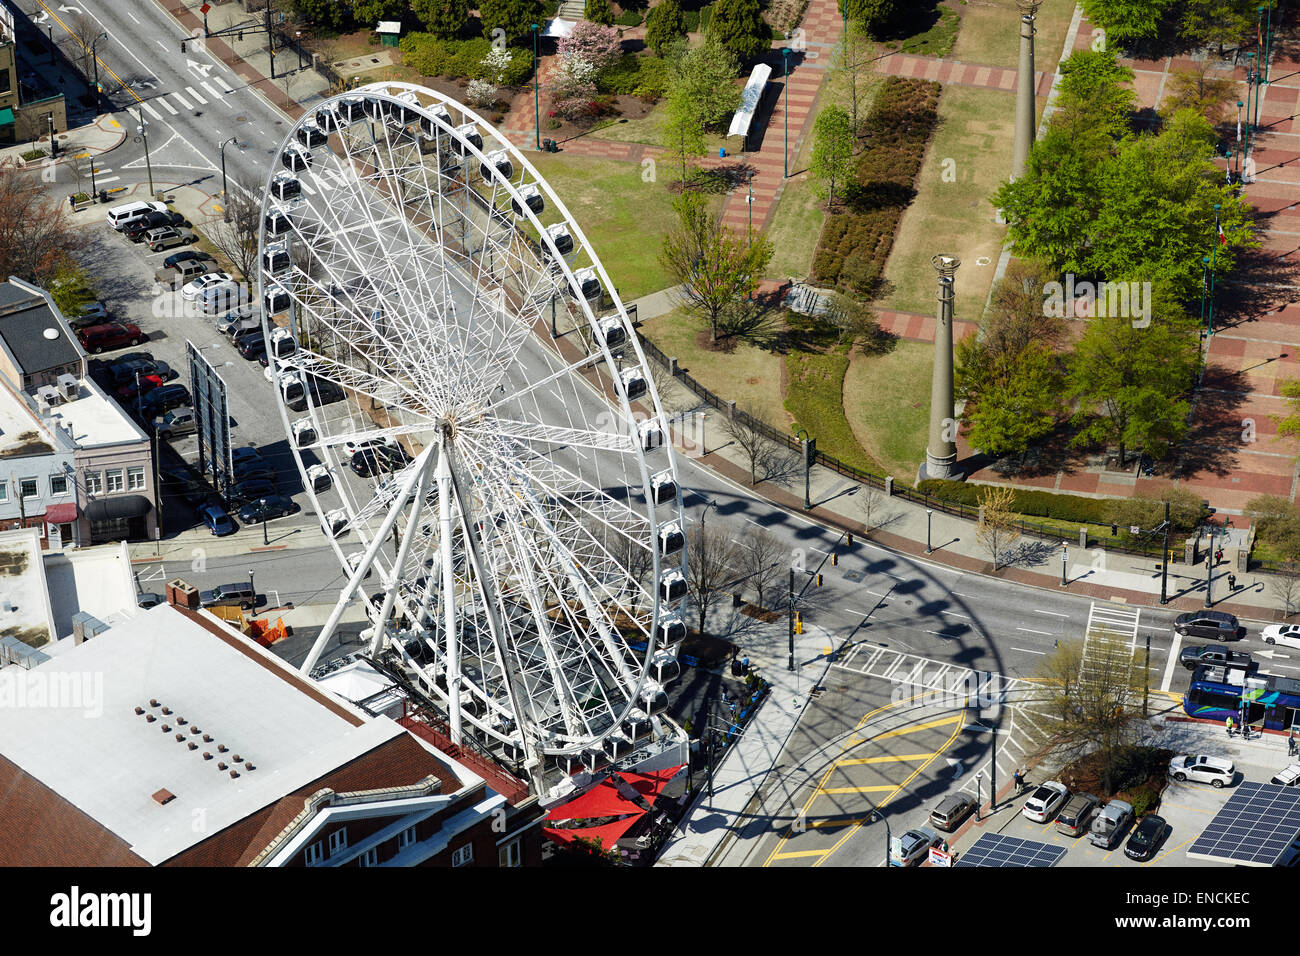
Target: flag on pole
1223	240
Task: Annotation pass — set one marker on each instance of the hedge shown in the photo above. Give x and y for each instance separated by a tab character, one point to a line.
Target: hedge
1035	504
628	18
462	58
632	75
854	244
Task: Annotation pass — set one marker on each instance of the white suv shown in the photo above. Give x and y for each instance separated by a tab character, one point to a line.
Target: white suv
1215	771
1045	801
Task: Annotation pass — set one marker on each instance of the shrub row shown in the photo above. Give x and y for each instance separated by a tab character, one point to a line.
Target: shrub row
632	75
1037	504
462	58
628	18
853	246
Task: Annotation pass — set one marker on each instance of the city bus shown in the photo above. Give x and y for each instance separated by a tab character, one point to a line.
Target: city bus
1217	693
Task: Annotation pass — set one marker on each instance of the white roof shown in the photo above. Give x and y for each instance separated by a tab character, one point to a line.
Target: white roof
95	580
749	100
389	26
95	419
22	588
359	681
98	754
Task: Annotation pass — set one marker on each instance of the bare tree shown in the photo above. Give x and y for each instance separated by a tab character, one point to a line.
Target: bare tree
236	238
872	506
758	449
1286	585
711	564
763	559
996	530
80	165
84	30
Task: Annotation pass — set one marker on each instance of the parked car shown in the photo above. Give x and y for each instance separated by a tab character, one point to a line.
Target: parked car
1201	768
92	313
115	335
1288	635
913	847
139	385
239	594
350	448
244	470
124	370
195	289
1198	654
240	320
167	237
176	424
1212	625
137	229
1287	776
218	521
250	489
189	255
245	453
1043	803
1076	815
251	344
184	272
148	599
119	217
1109	824
164	399
372	461
951	811
323	392
1145	840
267	509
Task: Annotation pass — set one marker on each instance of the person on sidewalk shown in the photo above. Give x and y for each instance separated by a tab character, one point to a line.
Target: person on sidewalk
1291	744
1018	778
1232	582
1228	724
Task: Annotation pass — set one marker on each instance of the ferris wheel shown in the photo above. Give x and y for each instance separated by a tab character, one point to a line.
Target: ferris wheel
476	425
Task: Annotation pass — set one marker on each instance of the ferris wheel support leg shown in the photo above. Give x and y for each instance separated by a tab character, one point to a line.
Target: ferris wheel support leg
403	550
363	566
449	596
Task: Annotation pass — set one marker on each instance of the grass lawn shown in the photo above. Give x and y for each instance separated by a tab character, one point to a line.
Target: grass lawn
624	218
648	129
797	220
887	402
972	149
815	399
935	41
990	33
748	375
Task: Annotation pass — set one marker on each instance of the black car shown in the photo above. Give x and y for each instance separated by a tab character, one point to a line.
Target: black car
1198	655
124	371
1212	625
267	509
251	344
1143	842
136	230
244	470
178	257
251	489
323	392
163	399
372	461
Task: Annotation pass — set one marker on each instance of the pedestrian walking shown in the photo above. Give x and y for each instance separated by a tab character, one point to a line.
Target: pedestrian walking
1019	779
1232	582
1228	724
1291	744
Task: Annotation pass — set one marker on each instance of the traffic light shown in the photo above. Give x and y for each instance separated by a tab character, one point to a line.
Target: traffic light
735	600
848	539
819	579
798	623
182	46
835	558
241	34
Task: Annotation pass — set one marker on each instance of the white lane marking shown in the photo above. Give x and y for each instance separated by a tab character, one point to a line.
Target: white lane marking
132	16
307	189
1053	613
145	105
99	180
959	594
1025	650
1030	630
211	92
163	45
1169	664
942	634
195	93
170	109
862	614
955	614
185	104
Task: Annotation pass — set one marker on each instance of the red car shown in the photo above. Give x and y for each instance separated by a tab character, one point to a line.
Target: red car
115	335
145	384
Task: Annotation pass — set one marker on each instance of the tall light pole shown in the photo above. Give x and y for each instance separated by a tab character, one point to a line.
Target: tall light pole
1214	252
1026	127
1238	154
537	109
1065	561
143	130
94	56
270	40
1164	565
809	447
251	588
225	202
1250	91
929	513
785	59
941	451
1209	570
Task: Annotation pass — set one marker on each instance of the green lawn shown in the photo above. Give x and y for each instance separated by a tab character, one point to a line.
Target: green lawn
937	40
649	130
887	402
624	218
969	155
815	398
990	33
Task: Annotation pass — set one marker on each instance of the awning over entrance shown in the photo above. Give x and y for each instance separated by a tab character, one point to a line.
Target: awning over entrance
6	117
61	514
119	506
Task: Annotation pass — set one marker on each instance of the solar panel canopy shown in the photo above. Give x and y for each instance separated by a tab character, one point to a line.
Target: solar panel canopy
994	849
1254	828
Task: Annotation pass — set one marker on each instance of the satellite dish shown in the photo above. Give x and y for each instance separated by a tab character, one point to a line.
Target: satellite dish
51	334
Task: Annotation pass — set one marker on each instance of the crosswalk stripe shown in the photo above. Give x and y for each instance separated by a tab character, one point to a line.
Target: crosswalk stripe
170	109
100	180
150	110
211	92
195	93
182	100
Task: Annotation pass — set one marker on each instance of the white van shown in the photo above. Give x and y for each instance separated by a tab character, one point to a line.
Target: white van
119	217
221	298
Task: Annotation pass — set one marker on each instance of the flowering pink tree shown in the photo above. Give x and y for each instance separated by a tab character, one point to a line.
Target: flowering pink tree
598	45
574	87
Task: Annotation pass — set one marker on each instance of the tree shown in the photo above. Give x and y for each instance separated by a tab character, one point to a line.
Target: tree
1217	21
84	30
1147	511
874	16
872	505
1128	22
1015	318
514	18
704	75
855	320
237	239
683	132
996	529
710	565
329	14
1199	90
1092	690
1285	584
1011	400
598	11
443	18
598	45
368	13
763	559
573	88
755	447
739	26
1132	384
853	66
71	288
665	25
832	155
36	241
713	265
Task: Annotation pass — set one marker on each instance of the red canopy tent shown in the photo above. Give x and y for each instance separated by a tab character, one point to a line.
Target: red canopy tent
650	785
606	835
602	800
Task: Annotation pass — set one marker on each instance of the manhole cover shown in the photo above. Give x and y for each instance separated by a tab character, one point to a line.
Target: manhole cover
241	119
983	261
907	604
854	575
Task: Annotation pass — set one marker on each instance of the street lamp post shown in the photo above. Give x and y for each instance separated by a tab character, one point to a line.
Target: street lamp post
298	37
1238	152
1214	253
270	40
143	130
785	149
806	444
1250	91
537	109
1065	560
94	56
1164	565
929	513
225	203
252	588
790	619
1205	284
979	795
872	817
54	144
1209	570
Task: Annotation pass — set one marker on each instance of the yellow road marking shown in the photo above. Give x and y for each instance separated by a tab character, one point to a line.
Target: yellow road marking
55	17
888	786
847	822
791	855
859	761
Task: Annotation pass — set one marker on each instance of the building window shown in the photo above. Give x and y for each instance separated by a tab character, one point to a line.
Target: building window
464	856
338	840
315	853
58	484
510	854
406	838
94	483
369	858
27	487
4	491
114	476
5	81
135	479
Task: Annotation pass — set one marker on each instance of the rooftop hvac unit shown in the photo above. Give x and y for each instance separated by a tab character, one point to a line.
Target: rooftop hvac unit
69	386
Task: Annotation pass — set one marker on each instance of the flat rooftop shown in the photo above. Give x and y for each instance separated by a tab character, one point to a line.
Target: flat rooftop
95	580
24	602
95	419
94	751
21	433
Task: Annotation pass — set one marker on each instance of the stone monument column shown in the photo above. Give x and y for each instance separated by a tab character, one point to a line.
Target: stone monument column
1026	125
941	452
